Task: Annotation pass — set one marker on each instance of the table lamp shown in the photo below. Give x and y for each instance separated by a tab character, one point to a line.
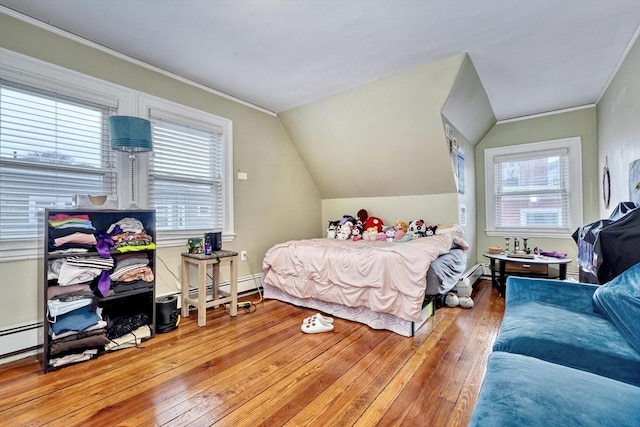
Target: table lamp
132	135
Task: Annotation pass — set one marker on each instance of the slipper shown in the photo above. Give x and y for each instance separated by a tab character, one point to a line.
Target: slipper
466	302
323	319
315	326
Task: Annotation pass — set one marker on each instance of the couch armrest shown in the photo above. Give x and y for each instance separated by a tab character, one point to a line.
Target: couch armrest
570	295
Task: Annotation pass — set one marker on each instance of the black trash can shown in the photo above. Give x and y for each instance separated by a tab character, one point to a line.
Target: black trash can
167	314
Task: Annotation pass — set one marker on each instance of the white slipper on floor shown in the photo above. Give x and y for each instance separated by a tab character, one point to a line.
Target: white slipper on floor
315	326
323	319
466	302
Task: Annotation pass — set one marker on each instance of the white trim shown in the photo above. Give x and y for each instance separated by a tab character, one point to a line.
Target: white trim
546	113
574	146
77	39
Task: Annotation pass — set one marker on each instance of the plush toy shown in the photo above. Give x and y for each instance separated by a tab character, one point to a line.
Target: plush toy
390	232
381	237
430	230
402	237
356	233
401	225
345	228
417	228
370	234
347	218
373	221
332	230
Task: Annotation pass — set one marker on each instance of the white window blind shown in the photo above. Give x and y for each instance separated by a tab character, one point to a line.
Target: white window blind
186	177
534	188
51	148
532	191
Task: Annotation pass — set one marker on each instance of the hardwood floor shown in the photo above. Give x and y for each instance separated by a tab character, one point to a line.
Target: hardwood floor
259	369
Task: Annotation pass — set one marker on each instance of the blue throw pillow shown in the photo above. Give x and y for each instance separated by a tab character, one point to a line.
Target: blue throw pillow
619	301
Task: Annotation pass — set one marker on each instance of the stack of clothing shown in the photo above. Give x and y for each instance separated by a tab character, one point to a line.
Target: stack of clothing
71	233
129	235
83	269
77	330
132	272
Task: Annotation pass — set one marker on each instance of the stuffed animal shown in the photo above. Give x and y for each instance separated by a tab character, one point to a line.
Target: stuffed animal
373	221
381	237
370	234
332	230
430	230
401	225
390	232
401	237
344	231
417	228
356	233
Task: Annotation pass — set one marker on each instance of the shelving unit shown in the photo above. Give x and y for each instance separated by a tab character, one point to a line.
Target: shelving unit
133	300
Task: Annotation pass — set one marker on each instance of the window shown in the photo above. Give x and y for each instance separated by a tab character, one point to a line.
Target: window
534	188
52	147
190	182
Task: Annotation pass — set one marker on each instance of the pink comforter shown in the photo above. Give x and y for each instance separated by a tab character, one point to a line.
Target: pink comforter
387	277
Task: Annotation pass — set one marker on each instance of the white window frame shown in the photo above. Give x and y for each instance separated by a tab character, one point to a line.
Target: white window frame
573	146
186	115
32	72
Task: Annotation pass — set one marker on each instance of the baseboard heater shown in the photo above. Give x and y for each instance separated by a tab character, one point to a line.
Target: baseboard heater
468	279
20	341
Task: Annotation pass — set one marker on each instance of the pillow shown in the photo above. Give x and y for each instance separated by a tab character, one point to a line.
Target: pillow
619	301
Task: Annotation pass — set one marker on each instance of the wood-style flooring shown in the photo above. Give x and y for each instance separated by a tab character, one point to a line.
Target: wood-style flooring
260	369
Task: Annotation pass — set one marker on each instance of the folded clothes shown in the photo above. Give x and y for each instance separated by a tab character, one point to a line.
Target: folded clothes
554	254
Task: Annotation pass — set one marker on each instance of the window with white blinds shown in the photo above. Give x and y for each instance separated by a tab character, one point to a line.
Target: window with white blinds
52	147
534	188
186	173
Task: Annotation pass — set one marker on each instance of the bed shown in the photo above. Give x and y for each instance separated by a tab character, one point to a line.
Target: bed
384	285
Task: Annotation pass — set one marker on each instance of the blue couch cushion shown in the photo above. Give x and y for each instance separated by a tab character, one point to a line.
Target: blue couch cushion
523	391
619	301
576	339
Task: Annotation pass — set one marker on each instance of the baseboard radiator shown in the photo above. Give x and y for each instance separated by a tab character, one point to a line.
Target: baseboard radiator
468	279
20	341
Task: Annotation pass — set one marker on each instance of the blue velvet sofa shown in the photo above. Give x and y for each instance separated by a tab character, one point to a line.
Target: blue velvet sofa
568	354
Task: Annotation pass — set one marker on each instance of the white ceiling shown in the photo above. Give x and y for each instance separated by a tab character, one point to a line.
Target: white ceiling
532	56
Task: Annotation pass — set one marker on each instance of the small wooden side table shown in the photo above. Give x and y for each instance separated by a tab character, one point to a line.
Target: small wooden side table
203	262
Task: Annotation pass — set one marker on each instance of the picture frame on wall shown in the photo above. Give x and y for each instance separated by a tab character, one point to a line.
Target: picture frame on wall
461	177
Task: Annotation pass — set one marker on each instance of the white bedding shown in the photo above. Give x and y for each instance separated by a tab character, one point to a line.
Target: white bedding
384	277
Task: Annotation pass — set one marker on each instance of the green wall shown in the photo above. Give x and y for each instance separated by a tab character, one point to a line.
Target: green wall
580	123
279	201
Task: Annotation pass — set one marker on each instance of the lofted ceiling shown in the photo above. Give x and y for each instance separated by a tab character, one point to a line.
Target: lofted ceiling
531	56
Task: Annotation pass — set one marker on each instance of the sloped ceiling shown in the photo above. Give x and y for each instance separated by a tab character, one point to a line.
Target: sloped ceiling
385	138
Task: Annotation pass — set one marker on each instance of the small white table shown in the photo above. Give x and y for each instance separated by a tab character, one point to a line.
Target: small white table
500	281
203	262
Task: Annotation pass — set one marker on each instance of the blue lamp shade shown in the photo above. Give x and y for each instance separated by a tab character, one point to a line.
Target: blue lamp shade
131	134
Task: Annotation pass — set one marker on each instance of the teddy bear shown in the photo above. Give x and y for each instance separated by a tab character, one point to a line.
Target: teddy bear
332	230
453	300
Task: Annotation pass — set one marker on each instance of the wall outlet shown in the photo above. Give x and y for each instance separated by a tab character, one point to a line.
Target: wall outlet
243	255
